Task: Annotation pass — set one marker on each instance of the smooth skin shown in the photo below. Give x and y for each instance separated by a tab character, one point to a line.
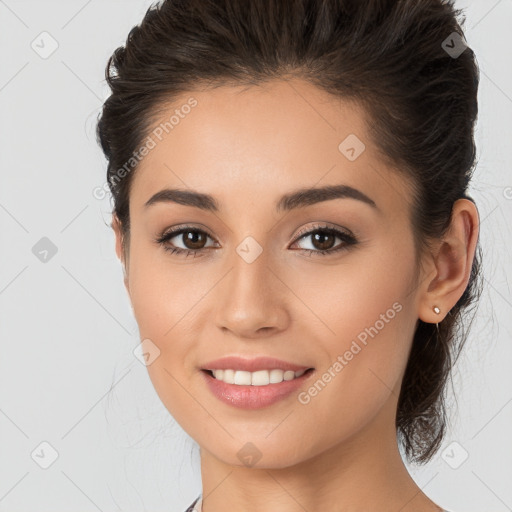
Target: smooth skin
247	146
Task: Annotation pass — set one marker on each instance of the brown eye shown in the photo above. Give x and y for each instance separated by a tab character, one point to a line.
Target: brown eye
194	239
323	240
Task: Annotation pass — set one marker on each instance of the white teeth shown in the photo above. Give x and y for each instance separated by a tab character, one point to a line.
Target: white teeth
289	375
258	378
276	376
243	378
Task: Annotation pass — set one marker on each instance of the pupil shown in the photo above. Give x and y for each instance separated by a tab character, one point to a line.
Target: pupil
324	246
193	236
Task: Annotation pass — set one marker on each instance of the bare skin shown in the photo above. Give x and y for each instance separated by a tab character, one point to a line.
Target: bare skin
247	147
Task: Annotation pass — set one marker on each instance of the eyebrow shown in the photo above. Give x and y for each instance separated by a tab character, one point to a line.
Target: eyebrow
297	199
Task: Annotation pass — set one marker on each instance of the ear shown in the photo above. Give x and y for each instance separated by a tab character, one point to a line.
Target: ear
120	248
450	267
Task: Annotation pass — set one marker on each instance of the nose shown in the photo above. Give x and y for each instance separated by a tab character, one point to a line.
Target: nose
252	299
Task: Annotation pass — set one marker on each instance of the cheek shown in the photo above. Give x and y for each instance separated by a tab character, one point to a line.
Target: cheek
367	291
161	293
363	318
166	302
163	309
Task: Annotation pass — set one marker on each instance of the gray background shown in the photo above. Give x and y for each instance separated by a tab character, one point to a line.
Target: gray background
68	376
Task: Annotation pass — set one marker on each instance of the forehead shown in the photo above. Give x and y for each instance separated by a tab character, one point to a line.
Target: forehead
261	141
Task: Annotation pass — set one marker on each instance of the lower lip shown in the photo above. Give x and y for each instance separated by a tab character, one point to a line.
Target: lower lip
253	397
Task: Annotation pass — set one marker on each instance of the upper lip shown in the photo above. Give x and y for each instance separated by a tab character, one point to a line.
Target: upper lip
251	365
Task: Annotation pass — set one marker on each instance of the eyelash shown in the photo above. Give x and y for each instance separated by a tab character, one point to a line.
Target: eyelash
347	238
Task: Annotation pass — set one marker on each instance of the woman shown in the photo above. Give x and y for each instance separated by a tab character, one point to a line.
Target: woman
291	212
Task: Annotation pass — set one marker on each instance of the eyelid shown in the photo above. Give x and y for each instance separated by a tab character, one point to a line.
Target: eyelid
320	226
179	229
346	236
176	230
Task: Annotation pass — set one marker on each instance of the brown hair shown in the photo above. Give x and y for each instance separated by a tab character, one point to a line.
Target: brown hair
390	56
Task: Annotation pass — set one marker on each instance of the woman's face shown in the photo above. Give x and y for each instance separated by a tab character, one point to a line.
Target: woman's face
253	289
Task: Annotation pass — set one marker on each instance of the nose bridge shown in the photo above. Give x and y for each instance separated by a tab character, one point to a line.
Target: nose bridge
251	294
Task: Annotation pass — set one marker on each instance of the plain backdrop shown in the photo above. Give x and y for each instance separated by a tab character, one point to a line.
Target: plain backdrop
73	397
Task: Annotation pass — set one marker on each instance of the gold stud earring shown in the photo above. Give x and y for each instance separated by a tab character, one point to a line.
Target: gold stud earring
437	311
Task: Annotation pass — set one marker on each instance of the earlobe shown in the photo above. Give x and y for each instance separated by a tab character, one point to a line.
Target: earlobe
453	262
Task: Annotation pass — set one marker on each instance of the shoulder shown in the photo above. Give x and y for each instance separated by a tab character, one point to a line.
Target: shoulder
196	506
